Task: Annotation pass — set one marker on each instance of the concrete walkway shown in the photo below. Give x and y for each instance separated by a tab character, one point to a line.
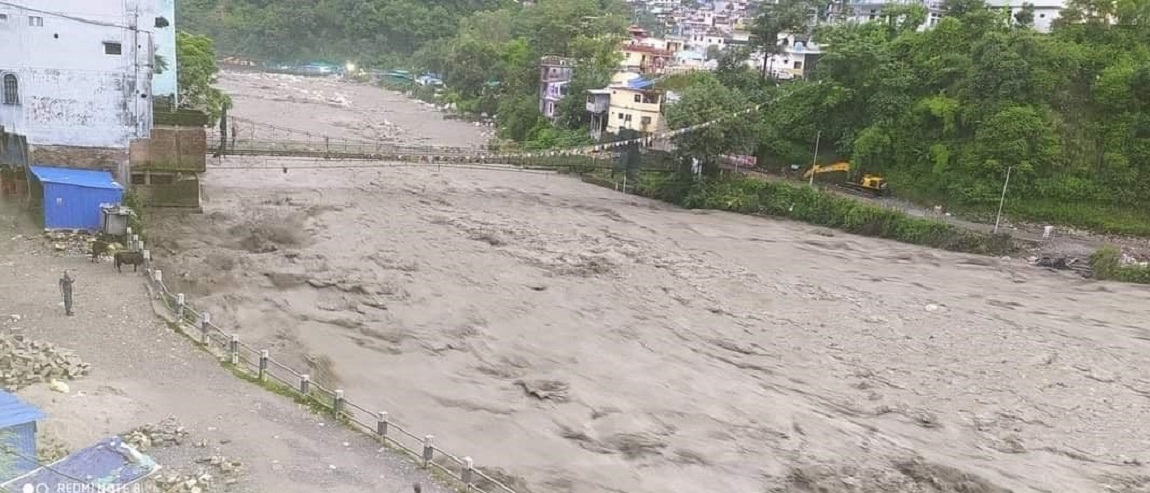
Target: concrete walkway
142	372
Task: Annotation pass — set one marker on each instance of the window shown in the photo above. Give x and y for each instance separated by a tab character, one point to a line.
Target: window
3	17
111	48
35	21
646	120
627	118
638	98
798	65
11	90
620	116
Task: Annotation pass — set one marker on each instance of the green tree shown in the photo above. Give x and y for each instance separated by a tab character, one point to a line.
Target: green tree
946	111
706	100
197	75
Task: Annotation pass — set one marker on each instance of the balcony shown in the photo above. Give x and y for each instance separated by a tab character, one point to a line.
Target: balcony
598	101
598	106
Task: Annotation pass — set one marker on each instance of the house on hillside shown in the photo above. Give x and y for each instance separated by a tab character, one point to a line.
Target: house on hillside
598	105
797	58
554	78
635	103
1045	11
77	82
644	59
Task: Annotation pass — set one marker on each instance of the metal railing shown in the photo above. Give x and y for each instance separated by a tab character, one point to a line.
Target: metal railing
257	365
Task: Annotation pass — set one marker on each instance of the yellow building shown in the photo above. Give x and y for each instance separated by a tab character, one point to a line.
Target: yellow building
634	104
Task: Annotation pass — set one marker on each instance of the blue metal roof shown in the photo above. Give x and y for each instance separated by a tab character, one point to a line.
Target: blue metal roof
76	177
14	411
640	83
106	466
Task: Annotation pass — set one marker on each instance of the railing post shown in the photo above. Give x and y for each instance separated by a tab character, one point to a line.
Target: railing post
234	349
264	356
147	259
181	302
468	473
134	241
205	322
381	425
337	403
305	384
158	275
428	450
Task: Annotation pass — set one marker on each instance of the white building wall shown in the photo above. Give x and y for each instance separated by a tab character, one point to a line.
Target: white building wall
72	92
1045	11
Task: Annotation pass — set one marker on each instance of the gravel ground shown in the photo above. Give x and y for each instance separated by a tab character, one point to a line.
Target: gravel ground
143	372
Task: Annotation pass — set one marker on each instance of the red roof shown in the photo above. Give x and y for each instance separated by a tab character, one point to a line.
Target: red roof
646	49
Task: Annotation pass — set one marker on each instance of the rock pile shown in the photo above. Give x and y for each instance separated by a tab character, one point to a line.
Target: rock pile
26	362
166	433
76	242
73	242
217	473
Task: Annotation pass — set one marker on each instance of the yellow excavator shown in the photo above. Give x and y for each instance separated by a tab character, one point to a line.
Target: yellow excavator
872	184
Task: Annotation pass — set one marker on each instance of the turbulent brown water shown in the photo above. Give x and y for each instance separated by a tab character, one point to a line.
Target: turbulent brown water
589	341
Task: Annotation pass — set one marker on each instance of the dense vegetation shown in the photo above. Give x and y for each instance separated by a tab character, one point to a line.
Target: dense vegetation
810	205
487	50
369	31
196	57
946	112
943	113
491	64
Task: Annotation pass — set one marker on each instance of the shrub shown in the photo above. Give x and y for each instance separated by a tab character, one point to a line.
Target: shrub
132	201
1107	265
751	196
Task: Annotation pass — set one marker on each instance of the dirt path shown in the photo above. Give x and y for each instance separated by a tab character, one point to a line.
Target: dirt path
143	372
590	341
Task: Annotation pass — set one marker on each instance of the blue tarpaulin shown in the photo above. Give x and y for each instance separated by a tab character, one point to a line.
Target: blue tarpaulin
640	83
110	465
72	197
18	431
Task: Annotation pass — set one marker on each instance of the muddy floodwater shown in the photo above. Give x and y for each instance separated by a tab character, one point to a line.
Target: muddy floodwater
588	341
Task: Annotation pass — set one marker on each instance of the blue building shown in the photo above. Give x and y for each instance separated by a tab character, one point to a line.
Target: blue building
17	434
72	197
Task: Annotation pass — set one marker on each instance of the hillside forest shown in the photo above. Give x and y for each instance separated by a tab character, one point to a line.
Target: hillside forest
943	113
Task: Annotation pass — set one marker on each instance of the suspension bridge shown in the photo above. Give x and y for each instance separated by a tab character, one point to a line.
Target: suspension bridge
247	137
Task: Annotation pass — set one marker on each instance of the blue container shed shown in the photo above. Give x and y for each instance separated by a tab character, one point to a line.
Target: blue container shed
72	197
18	434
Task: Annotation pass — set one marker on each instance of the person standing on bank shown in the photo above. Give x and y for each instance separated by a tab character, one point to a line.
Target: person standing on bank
66	290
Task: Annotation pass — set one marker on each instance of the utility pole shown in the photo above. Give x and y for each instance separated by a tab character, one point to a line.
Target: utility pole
1002	200
815	158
